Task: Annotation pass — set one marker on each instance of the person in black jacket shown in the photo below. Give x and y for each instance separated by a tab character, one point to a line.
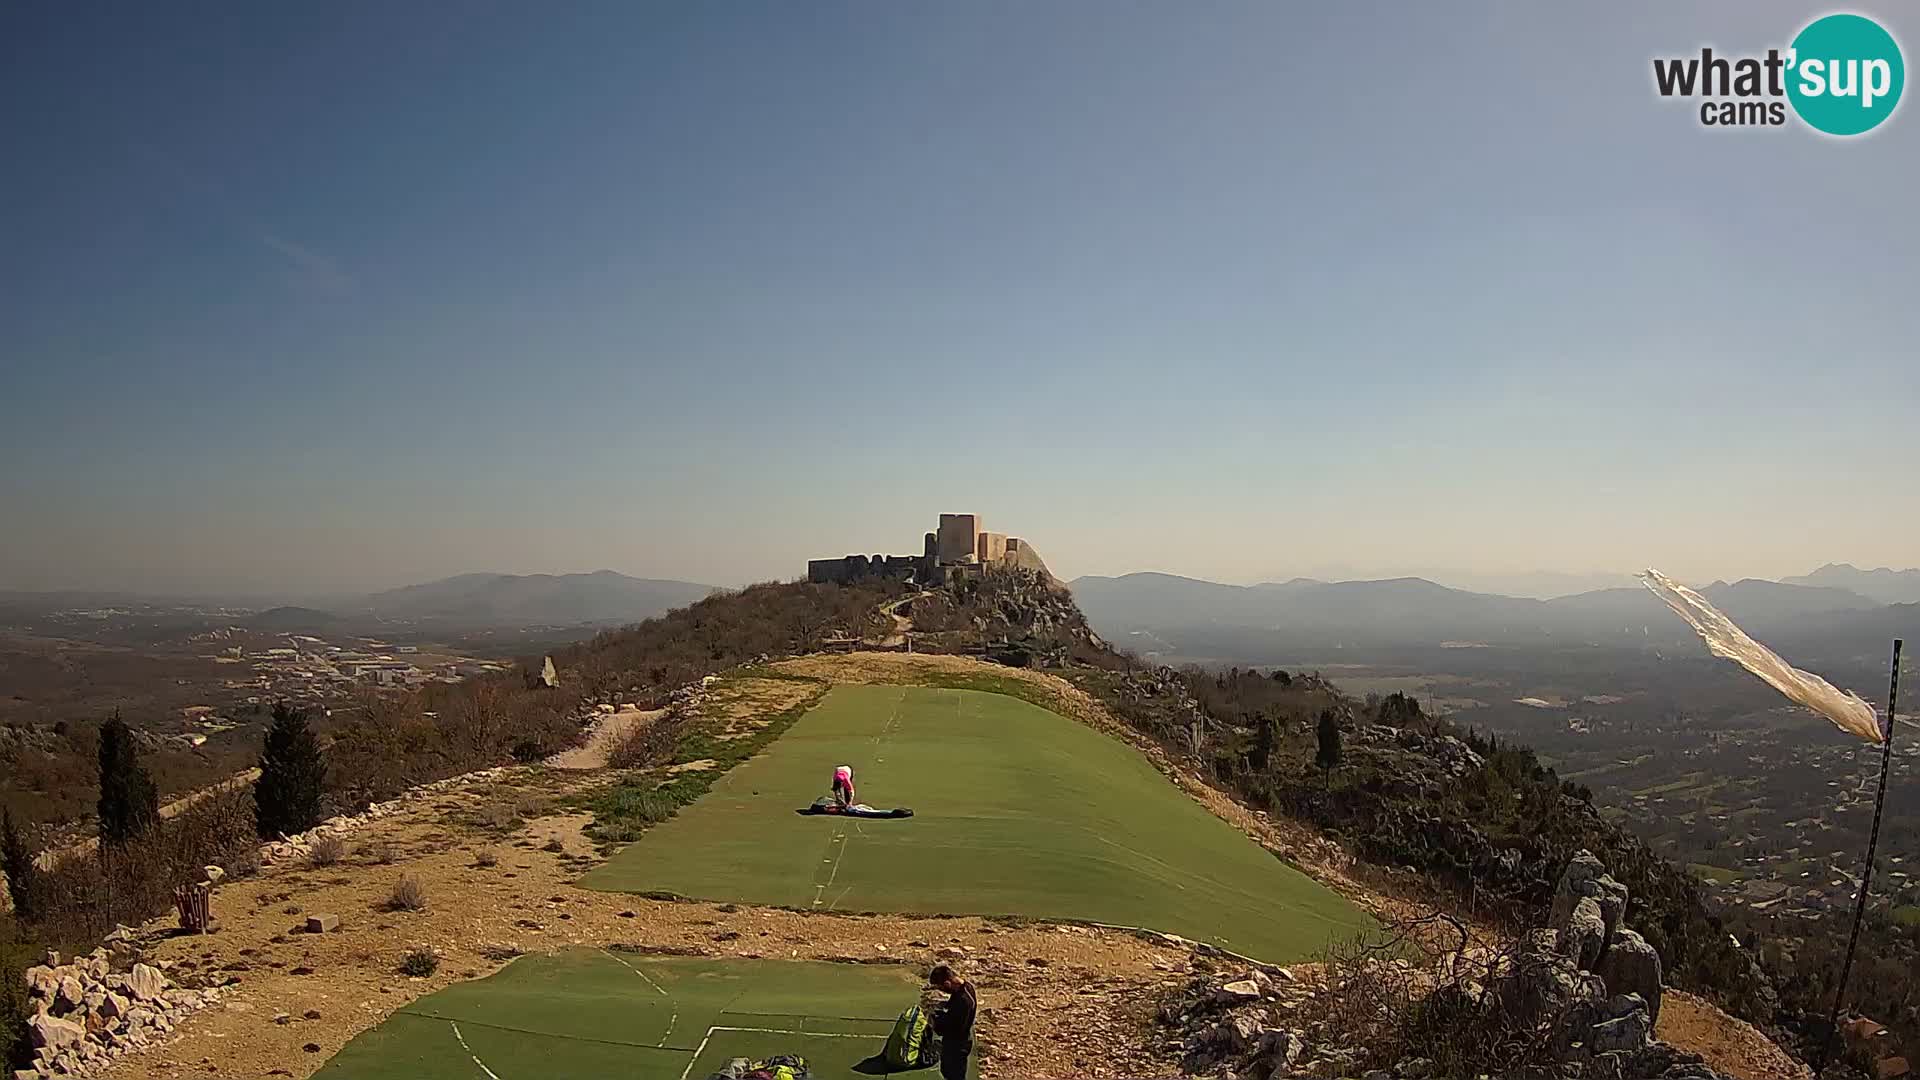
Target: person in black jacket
954	1021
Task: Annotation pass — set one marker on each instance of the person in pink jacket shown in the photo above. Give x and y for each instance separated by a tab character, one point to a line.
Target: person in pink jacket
843	786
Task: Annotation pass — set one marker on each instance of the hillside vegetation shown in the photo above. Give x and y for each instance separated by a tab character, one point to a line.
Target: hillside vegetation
1484	823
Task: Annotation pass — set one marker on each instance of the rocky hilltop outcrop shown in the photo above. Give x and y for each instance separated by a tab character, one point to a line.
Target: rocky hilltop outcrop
1574	1000
1015	615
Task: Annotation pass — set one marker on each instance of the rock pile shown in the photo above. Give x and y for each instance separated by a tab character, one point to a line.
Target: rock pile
298	847
1596	981
1446	755
1159	696
83	1014
1033	602
1018	615
1586	988
1243	1027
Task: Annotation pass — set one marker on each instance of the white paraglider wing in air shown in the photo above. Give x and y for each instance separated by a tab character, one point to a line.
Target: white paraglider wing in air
1846	709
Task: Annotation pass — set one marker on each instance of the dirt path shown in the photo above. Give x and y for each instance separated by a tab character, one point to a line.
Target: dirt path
46	859
592	754
187	801
902	625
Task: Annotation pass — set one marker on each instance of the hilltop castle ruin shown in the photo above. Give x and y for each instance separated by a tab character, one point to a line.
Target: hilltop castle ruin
958	546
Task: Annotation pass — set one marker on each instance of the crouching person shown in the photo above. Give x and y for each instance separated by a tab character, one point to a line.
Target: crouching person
954	1021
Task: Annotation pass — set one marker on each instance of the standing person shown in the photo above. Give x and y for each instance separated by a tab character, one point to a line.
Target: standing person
954	1021
843	786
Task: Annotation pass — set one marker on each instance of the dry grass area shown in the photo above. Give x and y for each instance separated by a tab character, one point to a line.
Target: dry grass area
1732	1046
747	704
915	669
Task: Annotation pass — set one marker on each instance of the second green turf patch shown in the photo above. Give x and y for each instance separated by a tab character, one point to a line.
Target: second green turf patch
590	1014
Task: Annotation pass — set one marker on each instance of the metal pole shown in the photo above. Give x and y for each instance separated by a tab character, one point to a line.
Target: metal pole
1866	872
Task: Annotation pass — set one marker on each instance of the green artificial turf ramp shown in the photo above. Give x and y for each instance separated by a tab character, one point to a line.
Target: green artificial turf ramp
1018	811
588	1014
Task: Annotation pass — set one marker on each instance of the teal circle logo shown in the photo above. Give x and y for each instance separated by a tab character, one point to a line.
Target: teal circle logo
1845	74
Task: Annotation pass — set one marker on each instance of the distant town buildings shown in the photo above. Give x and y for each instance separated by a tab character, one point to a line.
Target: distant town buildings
309	667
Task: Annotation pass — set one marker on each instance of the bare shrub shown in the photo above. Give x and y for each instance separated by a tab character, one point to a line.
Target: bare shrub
646	744
389	742
327	850
486	858
85	895
379	853
407	895
499	817
1424	989
420	962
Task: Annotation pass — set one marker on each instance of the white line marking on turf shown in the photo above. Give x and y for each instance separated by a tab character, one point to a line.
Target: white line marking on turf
698	1050
783	1031
819	891
671	1020
886	729
476	1057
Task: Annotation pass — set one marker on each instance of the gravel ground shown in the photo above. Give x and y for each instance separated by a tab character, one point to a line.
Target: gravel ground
1732	1046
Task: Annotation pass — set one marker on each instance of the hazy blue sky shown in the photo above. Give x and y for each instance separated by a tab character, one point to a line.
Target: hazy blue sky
343	295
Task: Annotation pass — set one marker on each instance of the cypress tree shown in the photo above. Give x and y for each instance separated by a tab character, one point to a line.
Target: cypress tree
129	803
1265	737
293	776
1329	753
16	858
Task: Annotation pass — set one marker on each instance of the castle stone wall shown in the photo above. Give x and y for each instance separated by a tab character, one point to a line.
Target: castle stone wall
959	545
957	537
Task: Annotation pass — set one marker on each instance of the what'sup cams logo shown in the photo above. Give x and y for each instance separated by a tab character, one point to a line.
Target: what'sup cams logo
1842	75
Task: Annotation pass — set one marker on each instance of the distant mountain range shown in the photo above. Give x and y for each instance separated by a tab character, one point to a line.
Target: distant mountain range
535	599
1885	585
1414	611
291	617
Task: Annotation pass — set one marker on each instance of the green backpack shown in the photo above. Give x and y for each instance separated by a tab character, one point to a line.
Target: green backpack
912	1045
788	1067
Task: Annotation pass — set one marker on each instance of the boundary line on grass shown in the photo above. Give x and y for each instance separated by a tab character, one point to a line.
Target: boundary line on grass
819	891
534	1031
462	1039
841	838
672	1020
702	1048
